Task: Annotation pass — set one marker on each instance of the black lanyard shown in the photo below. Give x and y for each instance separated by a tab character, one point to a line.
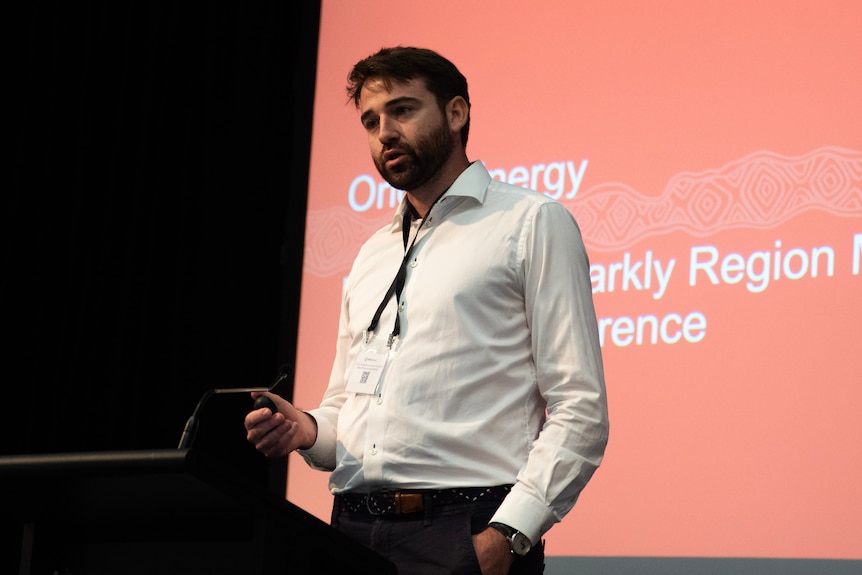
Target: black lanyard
397	286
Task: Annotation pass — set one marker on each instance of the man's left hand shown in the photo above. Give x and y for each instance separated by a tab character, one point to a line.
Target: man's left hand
493	552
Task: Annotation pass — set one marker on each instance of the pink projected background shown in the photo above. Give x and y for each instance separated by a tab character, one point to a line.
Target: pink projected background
712	155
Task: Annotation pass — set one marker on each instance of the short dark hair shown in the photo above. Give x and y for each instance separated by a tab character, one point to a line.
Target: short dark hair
405	63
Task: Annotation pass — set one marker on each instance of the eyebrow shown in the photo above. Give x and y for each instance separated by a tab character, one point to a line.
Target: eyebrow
391	104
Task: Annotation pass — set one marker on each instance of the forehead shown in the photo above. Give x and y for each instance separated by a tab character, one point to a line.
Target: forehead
376	92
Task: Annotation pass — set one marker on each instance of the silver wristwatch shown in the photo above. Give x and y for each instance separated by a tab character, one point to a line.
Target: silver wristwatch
519	544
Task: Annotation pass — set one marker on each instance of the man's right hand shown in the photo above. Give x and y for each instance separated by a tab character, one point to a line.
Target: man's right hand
277	434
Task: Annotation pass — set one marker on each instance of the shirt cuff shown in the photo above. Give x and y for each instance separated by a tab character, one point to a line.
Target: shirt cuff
525	513
321	455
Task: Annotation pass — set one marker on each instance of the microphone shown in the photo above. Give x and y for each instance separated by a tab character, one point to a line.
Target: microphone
189	431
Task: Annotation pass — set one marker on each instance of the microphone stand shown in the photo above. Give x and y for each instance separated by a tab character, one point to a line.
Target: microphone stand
191	427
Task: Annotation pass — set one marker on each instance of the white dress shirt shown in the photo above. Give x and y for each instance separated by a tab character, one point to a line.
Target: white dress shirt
496	376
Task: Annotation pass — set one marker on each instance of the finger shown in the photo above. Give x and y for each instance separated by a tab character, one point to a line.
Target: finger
258	417
258	431
278	442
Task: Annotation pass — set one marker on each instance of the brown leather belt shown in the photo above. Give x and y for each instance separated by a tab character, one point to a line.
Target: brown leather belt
415	501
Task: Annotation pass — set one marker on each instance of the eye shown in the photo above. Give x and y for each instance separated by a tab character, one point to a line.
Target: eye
370	123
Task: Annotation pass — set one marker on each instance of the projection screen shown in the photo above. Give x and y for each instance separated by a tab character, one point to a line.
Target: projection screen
711	153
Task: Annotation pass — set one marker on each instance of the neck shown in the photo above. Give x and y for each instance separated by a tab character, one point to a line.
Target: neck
423	198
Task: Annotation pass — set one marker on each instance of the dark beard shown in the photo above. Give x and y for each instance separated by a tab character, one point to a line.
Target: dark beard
423	161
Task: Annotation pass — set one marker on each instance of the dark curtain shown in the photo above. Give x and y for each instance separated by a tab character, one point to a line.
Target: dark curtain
153	225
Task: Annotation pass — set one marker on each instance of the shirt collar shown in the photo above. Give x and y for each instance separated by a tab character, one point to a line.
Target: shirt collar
472	183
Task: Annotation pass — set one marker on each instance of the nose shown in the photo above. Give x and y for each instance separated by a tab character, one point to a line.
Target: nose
388	131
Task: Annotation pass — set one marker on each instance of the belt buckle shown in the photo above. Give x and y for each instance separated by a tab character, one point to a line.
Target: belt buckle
401	503
406	503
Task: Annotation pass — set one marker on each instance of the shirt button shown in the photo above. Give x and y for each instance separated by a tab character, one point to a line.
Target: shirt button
401	307
414	263
379	400
373	451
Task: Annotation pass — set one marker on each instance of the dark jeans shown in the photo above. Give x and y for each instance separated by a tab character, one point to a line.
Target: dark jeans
436	542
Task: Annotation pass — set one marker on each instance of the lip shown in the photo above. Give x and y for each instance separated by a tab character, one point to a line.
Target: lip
391	155
392	158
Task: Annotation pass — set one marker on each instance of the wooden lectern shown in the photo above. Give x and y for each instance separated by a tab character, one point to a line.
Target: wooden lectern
164	511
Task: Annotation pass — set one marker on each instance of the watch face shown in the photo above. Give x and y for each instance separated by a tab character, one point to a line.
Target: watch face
520	544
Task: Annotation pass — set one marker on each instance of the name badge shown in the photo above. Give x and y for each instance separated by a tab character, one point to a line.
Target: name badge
366	371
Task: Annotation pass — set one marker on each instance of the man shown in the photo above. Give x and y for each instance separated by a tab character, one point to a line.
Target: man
466	408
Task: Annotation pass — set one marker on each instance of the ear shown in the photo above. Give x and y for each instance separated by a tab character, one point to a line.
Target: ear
457	112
